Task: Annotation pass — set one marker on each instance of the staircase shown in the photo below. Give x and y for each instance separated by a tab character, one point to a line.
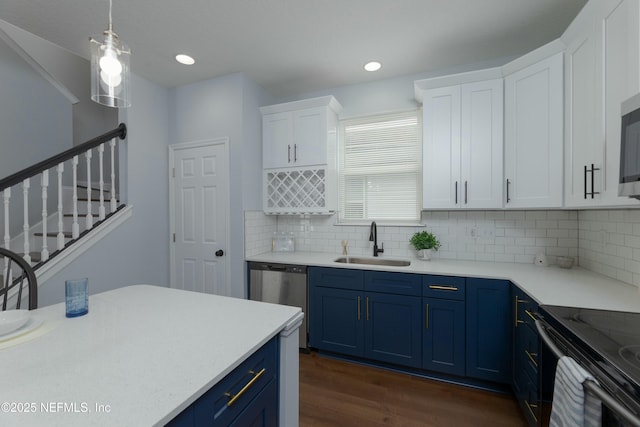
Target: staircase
43	229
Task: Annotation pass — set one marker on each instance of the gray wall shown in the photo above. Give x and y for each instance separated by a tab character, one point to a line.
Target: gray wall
138	251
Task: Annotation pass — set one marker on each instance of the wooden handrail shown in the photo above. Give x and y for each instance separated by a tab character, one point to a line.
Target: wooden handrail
18	177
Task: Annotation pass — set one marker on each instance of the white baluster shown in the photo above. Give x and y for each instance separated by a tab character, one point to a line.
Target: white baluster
101	211
75	229
60	170
45	186
114	202
25	227
7	237
89	215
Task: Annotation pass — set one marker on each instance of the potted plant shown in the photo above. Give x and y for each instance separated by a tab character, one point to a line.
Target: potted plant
424	242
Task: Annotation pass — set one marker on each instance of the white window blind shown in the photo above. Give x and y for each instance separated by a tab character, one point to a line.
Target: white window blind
380	168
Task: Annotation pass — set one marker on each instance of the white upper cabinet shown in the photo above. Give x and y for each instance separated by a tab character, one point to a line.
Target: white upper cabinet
297	133
299	156
533	140
462	144
601	70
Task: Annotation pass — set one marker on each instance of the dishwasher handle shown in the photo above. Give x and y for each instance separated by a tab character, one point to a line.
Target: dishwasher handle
284	268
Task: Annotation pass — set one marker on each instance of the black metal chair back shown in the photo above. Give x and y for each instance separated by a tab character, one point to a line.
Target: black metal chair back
17	278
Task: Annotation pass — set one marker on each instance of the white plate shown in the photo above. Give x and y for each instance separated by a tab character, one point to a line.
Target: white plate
33	322
12	320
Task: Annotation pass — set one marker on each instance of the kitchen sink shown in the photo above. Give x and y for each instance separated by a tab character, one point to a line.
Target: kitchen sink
373	261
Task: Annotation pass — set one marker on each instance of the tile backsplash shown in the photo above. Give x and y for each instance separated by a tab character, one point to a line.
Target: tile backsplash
604	241
609	243
505	236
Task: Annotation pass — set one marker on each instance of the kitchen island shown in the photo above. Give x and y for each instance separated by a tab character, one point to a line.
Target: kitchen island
141	356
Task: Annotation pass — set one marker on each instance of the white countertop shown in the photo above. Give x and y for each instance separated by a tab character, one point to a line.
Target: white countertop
551	285
144	352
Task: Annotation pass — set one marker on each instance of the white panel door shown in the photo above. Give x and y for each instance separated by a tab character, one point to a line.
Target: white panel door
481	145
441	148
199	217
534	135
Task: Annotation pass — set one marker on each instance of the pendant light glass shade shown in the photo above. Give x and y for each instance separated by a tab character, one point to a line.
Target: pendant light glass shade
110	69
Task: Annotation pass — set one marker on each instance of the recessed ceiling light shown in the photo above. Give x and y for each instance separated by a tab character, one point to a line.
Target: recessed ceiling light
185	59
372	66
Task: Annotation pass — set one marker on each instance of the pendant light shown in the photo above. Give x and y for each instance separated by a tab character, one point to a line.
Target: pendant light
110	69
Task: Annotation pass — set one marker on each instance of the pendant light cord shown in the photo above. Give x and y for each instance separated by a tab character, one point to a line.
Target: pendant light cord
110	22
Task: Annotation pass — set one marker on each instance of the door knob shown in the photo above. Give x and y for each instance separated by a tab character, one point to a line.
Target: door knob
219	252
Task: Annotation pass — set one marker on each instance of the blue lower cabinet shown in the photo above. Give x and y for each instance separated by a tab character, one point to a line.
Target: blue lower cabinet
392	328
443	339
249	394
336	320
489	321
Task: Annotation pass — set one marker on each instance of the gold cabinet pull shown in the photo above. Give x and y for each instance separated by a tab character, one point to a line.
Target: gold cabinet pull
532	357
367	303
358	308
530	314
531	407
233	398
518	301
426	322
443	288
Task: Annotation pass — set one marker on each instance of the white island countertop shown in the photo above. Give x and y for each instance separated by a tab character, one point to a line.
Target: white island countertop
138	358
575	287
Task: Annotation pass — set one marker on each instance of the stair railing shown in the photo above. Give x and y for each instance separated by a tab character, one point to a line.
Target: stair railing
57	163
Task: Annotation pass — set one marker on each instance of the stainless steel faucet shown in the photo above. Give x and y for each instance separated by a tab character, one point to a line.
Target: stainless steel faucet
373	237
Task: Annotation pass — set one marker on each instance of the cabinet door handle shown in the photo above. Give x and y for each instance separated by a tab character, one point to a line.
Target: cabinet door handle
289	158
531	315
295	153
235	397
466	192
508	183
532	357
518	301
585	182
443	288
457	192
358	308
531	406
426	317
367	303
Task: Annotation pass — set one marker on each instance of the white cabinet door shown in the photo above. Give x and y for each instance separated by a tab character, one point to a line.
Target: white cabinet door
621	74
462	146
481	144
533	144
277	140
602	70
583	133
441	148
309	137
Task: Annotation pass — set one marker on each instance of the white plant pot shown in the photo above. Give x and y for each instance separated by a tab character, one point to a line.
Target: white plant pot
425	254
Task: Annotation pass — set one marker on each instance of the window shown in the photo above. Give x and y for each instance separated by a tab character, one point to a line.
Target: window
380	165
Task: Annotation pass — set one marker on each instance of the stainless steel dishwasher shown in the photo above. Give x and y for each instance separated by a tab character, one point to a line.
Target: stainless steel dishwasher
280	284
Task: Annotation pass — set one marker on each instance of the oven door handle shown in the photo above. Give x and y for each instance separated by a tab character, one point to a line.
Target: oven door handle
590	385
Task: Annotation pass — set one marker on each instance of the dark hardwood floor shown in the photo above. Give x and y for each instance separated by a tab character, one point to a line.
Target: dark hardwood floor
337	393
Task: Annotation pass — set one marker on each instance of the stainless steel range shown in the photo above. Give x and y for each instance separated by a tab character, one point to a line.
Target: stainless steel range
606	344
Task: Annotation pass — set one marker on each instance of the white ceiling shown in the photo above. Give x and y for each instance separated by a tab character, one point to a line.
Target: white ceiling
297	46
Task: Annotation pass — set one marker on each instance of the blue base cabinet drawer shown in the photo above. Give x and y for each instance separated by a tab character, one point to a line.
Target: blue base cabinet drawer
243	394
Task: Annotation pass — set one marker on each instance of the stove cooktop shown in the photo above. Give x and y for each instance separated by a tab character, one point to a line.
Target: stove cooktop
611	338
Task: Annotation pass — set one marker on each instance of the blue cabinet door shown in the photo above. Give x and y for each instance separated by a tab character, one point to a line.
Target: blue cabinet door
443	340
489	330
392	331
336	321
